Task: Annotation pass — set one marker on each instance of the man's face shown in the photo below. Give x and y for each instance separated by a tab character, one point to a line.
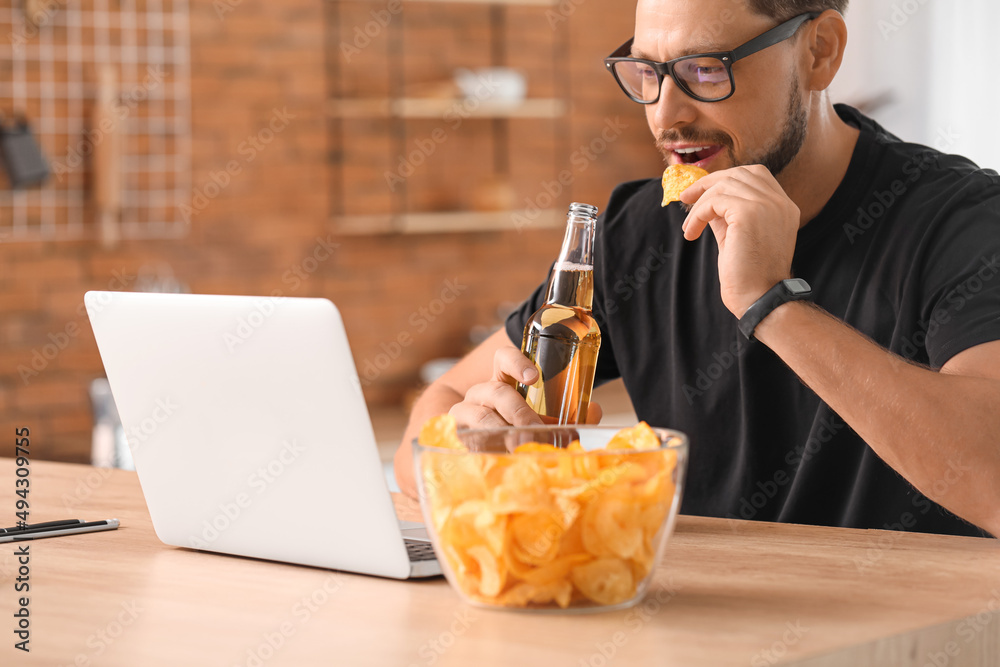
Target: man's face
764	122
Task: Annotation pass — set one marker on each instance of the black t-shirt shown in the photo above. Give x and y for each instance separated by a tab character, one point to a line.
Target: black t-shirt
907	251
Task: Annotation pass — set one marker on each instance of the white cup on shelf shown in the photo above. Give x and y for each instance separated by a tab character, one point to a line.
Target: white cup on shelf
495	84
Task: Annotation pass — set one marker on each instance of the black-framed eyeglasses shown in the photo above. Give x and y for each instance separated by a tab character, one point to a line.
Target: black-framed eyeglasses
707	77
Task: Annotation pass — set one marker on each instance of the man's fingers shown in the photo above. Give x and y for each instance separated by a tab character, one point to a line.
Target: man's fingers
503	401
754	179
510	364
693	192
470	415
715	207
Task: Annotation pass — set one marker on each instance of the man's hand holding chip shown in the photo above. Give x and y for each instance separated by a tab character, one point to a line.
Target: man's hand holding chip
496	402
755	224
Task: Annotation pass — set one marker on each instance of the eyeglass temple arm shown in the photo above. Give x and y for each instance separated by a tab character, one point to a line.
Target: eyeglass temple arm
773	36
625	50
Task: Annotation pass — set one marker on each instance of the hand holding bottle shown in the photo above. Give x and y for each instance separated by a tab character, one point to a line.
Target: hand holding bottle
496	403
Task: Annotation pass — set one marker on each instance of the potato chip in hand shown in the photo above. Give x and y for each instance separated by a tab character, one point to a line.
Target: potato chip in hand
677	178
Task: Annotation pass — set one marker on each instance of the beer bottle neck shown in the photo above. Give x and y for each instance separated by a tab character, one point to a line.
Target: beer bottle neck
572	280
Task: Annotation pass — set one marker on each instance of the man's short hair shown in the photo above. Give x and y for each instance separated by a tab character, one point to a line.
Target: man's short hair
782	10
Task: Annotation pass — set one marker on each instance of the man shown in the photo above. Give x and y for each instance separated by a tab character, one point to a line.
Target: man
870	402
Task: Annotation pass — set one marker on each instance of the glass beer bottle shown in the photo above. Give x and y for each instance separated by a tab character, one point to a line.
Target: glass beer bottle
562	338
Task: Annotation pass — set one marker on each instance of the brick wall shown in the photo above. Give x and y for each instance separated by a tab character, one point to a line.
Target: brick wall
258	233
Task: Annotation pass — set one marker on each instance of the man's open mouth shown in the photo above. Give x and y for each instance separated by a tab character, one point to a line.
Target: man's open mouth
696	154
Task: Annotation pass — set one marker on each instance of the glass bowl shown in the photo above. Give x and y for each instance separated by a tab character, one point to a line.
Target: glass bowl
560	525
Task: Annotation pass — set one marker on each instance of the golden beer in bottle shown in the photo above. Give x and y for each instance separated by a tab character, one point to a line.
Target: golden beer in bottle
562	338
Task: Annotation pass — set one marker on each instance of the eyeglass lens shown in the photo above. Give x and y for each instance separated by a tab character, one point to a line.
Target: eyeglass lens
704	77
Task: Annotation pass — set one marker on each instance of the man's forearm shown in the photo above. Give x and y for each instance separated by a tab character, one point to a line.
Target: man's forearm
435	400
922	423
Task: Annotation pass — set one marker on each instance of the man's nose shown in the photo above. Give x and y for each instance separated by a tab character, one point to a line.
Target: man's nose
674	106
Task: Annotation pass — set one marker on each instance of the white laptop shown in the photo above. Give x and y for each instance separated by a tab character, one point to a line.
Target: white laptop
249	431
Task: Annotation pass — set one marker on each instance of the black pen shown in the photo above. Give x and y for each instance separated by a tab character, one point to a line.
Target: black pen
46	524
56	531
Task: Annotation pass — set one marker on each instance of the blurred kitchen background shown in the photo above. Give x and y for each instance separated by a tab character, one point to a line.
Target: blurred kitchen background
411	160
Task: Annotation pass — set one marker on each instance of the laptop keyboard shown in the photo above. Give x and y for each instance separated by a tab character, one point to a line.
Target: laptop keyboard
419	551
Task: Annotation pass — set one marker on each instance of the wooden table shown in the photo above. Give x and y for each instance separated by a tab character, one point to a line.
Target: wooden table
727	593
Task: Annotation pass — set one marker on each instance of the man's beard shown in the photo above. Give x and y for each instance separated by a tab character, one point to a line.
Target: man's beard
775	158
793	135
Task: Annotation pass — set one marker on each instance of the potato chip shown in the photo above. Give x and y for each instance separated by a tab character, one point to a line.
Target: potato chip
492	575
454	479
587	466
536	537
677	178
523	488
440	431
554	571
611	527
487	527
606	581
523	594
639	437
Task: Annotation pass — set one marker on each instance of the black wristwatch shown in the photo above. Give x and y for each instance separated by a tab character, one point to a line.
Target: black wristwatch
793	289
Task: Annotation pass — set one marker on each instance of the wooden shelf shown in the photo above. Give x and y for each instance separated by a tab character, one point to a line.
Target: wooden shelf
541	3
418	107
443	100
448	221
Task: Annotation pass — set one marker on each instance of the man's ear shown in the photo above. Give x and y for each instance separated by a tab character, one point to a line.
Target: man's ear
826	41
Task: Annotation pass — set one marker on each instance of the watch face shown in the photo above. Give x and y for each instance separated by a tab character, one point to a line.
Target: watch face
797	286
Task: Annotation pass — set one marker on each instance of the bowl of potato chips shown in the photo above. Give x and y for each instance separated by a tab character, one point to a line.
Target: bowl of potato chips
549	518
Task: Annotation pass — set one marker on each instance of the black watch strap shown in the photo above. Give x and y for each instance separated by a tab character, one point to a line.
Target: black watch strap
793	289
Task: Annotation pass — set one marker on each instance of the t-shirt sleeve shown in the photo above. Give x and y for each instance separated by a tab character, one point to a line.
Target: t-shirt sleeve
962	278
519	317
